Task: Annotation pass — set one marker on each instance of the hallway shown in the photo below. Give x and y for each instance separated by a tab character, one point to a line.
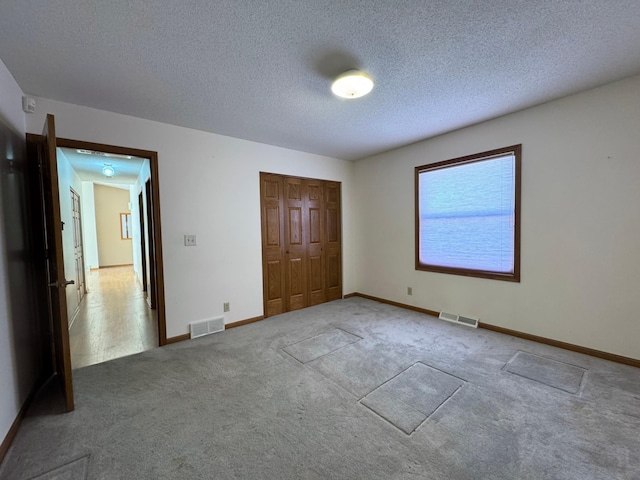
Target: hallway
114	319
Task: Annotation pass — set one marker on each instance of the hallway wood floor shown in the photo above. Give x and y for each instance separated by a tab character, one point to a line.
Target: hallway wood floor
114	319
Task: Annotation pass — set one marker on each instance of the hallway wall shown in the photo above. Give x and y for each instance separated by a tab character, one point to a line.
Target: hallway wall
110	202
68	179
20	364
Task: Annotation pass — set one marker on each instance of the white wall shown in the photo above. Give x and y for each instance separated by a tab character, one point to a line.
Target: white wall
136	189
209	186
580	222
89	233
17	372
111	202
68	179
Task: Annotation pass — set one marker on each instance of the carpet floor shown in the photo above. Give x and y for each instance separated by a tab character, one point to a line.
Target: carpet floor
351	389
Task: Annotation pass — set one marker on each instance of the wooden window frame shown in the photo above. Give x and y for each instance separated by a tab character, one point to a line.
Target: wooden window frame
126	226
478	157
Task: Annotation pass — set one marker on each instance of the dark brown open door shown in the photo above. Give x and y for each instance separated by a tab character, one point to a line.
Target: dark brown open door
151	278
55	262
143	247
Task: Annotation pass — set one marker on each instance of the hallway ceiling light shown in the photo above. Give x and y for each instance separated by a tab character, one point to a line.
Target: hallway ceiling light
117	155
352	84
108	170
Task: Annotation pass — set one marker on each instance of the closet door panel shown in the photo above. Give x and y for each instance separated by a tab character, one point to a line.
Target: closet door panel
295	247
314	204
273	269
333	243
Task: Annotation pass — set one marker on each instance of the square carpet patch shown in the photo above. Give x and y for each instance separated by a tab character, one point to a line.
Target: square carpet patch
362	367
74	470
320	345
411	397
552	373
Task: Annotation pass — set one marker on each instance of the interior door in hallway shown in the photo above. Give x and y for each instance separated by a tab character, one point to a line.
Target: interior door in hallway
78	248
296	241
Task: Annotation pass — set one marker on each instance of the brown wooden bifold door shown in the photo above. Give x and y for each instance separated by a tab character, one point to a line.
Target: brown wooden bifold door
301	242
333	243
272	200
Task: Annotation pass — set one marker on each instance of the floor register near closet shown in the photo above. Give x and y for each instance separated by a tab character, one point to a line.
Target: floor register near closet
301	242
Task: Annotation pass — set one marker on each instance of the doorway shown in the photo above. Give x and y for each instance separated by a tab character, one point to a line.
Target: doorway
152	236
150	272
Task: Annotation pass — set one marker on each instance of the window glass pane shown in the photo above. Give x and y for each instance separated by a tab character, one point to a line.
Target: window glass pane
467	215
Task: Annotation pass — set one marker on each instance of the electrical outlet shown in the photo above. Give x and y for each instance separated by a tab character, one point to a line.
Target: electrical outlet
226	307
409	291
190	240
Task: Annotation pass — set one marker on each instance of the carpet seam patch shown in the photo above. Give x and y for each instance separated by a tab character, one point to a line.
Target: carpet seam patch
442	404
578	391
402	371
545	384
387	381
546	358
379	415
324	333
324	354
70	462
426	417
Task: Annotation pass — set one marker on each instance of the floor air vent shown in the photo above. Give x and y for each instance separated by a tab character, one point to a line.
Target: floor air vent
463	320
205	327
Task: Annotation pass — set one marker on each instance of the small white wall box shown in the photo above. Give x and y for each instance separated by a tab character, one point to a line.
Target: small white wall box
28	104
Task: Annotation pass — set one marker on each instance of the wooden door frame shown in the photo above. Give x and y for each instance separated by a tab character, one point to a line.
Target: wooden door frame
143	247
152	288
155	203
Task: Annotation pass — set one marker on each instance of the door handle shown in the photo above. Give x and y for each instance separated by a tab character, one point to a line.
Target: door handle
56	284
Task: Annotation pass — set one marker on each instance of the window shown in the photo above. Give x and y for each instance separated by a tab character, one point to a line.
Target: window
468	215
125	226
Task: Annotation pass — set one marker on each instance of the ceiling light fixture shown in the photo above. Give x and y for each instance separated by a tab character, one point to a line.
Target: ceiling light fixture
108	170
352	84
117	155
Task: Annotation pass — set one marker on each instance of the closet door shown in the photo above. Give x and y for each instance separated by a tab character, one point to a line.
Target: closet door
296	240
301	242
314	229
271	200
333	242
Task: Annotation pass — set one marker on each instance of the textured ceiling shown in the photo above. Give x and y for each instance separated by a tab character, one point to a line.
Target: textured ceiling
261	70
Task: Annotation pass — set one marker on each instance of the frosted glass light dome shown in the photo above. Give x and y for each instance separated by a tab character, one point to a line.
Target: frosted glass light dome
352	84
108	170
